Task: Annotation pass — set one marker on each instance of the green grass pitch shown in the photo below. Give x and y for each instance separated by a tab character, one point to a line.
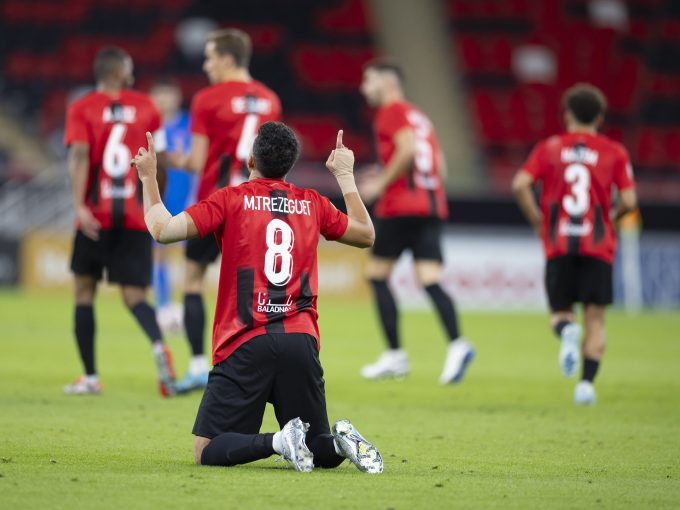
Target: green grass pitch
507	437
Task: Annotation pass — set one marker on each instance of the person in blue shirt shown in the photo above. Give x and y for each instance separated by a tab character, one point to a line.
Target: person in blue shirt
179	191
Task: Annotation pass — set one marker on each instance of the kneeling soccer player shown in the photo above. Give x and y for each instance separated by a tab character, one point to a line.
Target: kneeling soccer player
265	335
577	171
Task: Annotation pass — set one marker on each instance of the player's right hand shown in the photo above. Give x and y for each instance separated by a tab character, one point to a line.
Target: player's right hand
88	224
145	160
341	160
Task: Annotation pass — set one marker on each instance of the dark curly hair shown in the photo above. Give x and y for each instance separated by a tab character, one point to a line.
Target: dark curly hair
585	101
275	150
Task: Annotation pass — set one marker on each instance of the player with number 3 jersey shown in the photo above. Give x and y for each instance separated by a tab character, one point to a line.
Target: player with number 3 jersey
576	171
103	129
410	210
265	337
224	120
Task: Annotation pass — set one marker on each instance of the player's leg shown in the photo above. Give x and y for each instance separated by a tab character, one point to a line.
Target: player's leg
299	391
169	316
230	415
561	278
593	350
87	269
129	265
199	254
391	239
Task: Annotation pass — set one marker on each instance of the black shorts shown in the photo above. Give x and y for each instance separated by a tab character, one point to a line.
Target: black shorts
280	368
203	250
576	279
125	254
420	234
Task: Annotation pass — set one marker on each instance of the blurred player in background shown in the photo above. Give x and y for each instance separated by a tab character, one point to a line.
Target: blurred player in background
266	336
224	120
576	171
103	129
167	96
410	211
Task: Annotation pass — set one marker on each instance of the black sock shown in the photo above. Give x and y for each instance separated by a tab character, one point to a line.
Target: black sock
194	322
146	317
84	329
557	328
590	368
445	308
324	452
232	448
387	309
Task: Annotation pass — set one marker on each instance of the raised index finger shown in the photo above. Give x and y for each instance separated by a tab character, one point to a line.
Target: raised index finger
338	142
149	139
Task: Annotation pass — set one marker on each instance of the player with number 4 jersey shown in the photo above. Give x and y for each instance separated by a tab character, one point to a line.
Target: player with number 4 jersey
224	120
103	128
576	171
410	210
265	336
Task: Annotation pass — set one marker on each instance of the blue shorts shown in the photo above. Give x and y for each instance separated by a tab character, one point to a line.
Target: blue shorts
177	190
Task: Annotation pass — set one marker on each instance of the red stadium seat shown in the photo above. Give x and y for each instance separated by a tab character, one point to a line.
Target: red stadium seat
348	17
331	67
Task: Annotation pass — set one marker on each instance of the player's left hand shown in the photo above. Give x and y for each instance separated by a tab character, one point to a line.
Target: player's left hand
371	187
145	160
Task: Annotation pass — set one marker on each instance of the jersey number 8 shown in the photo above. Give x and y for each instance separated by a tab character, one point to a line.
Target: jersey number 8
578	202
278	261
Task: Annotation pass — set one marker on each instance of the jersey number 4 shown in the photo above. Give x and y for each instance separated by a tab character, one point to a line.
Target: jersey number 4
117	155
578	202
278	260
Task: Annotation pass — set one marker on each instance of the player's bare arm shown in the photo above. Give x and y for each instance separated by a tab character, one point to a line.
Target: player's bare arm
627	202
522	186
399	164
360	232
163	227
78	167
195	160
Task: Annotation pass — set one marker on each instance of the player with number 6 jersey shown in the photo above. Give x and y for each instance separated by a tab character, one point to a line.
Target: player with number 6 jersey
103	128
410	210
224	120
576	171
265	336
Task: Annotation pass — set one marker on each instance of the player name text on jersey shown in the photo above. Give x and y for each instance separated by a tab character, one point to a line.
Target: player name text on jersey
579	155
119	113
282	205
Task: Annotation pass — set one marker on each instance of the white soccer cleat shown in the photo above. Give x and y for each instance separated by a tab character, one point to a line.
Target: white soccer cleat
570	349
458	356
294	447
391	363
84	386
171	318
584	394
353	446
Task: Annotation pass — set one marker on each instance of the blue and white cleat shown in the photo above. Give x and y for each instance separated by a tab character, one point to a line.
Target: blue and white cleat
294	447
392	363
459	355
570	349
353	446
584	394
192	382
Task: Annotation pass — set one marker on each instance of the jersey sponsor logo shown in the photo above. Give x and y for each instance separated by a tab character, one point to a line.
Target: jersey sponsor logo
265	305
579	154
569	229
273	204
110	191
251	104
119	113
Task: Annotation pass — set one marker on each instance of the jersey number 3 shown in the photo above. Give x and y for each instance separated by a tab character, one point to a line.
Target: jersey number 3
577	203
278	261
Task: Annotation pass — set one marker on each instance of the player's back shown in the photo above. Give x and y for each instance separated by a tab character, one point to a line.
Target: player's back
114	127
268	231
577	172
420	191
229	114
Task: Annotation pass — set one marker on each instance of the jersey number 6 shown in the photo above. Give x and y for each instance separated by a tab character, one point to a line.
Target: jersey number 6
278	261
117	155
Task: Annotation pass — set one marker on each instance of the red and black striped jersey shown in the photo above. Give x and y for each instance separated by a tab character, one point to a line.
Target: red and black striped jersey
229	115
268	231
114	128
577	172
420	191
